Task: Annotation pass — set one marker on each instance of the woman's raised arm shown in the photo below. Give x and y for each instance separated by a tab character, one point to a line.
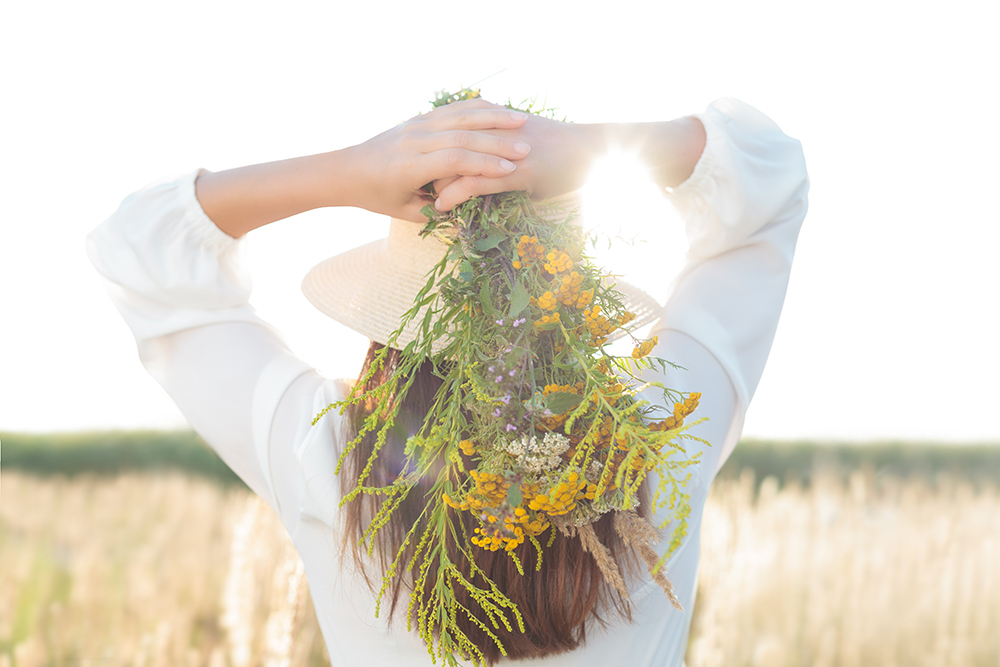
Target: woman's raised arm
385	174
563	153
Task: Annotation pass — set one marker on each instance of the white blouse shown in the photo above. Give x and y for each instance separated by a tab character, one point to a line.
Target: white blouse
182	287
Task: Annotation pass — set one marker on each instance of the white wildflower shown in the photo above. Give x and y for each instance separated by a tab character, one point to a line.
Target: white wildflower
535	457
516	448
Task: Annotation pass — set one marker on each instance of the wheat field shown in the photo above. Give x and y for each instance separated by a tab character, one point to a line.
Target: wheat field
151	570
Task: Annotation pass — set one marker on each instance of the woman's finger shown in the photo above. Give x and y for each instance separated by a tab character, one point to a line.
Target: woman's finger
479	142
460	162
441	183
467	187
477	119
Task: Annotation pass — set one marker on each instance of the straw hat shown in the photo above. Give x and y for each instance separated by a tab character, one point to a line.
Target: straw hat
369	288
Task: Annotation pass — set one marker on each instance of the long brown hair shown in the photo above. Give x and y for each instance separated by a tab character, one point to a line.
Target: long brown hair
558	601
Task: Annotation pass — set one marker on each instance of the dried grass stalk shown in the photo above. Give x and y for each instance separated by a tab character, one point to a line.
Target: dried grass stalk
641	535
601	554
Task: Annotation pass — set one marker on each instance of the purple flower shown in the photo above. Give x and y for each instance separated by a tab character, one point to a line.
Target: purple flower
511	427
482	264
496	413
512	371
506	400
491	369
500	322
499	377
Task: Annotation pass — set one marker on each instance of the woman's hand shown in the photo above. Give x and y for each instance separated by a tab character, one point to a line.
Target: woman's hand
390	170
561	157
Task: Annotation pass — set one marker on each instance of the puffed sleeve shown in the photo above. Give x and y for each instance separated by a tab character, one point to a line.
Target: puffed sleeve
180	284
743	206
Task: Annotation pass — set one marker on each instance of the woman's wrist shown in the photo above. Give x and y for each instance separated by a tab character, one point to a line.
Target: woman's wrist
353	176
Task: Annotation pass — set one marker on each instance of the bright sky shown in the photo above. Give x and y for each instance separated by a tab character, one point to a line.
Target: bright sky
890	327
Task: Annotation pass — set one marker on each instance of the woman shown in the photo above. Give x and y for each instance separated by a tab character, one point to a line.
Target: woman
170	256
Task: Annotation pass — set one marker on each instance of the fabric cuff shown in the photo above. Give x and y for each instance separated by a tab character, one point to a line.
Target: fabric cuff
706	166
203	230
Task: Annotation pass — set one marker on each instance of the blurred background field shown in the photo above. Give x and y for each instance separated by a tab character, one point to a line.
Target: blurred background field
141	548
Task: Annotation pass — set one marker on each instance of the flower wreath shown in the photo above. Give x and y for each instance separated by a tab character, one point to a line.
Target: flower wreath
538	427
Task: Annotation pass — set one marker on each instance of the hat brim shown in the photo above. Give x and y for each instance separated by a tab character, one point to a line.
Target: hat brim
370	288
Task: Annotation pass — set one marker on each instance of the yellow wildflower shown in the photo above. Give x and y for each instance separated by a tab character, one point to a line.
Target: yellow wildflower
547	301
529	250
645	347
558	261
547	319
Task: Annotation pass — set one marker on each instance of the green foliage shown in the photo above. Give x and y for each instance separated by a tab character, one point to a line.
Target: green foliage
113	452
803	460
442	97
